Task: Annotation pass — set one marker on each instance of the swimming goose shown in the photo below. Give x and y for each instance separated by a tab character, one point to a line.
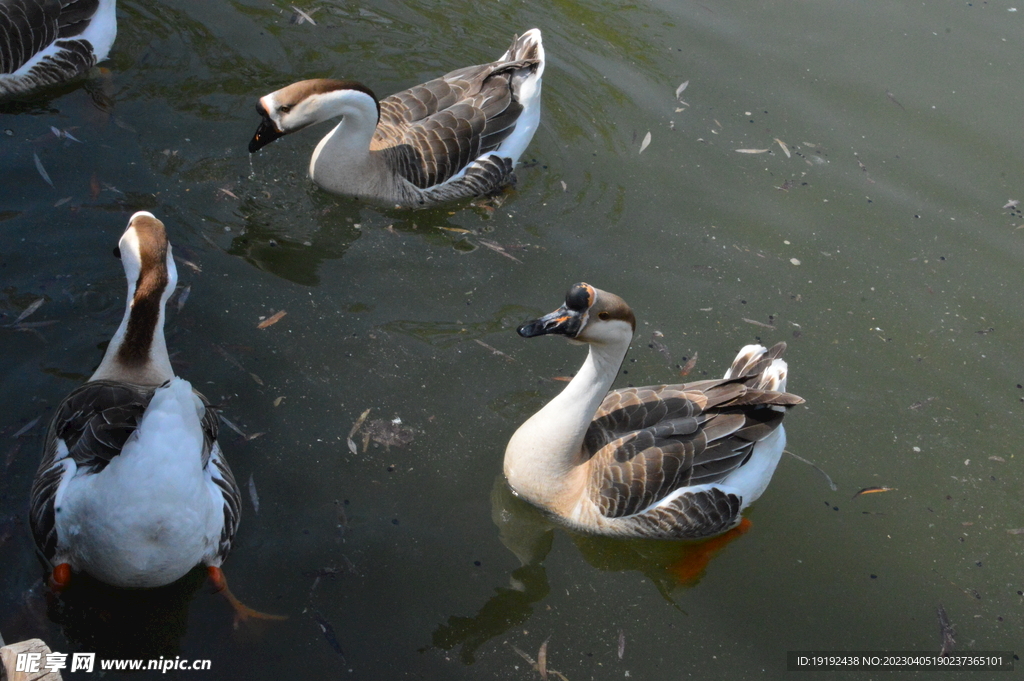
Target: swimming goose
132	487
44	42
667	461
453	137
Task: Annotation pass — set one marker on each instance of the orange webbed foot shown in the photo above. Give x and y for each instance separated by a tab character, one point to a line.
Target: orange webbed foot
242	611
60	578
689	569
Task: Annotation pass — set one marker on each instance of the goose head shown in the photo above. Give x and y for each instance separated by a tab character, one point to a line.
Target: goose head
138	353
589	315
146	257
308	102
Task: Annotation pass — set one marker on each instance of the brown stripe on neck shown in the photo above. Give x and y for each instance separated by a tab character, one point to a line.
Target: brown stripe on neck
146	305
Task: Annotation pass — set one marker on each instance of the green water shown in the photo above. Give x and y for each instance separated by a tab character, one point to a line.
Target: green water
879	248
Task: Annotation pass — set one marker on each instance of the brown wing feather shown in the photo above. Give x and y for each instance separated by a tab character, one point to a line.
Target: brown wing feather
645	443
434	130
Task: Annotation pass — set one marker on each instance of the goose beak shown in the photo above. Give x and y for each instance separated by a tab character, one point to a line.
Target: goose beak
562	321
266	133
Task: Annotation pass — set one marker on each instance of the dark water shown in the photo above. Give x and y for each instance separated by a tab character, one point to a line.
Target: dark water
881	248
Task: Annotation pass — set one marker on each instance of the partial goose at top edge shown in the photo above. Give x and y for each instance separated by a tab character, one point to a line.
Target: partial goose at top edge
450	138
669	461
132	487
45	42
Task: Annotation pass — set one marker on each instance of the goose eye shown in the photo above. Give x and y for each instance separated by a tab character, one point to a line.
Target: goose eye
117	252
284	108
603	315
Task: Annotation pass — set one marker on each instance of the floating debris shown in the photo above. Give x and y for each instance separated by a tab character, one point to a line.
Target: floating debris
27	427
831	484
873	490
388	433
273	319
565	187
183	296
536	664
231	425
997	458
355	429
918	405
496	351
622	643
946	632
752	151
301	16
647	141
253	497
259	381
230	193
785	148
328	631
682	87
655	344
542	659
498	248
1016	531
688	367
757	323
27	312
1012	203
277	402
42	170
188	263
894	100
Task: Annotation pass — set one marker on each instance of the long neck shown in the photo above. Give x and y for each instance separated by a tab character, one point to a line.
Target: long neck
138	352
543	458
342	160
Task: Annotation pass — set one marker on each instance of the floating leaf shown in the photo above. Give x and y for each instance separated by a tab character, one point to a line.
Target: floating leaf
183	296
683	86
29	310
253	497
873	490
751	151
42	170
784	147
270	321
27	427
647	141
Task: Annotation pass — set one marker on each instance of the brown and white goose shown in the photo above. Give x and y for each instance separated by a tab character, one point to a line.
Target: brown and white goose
667	461
45	42
132	487
453	137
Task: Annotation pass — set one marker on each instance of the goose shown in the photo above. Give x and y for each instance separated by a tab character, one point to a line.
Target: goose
666	461
450	138
45	42
132	487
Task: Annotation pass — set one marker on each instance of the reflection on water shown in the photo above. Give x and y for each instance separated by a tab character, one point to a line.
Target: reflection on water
528	532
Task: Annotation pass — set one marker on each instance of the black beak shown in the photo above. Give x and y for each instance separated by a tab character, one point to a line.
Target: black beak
562	321
265	134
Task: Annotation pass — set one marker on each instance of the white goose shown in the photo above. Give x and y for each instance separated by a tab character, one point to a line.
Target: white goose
668	461
453	137
45	42
132	487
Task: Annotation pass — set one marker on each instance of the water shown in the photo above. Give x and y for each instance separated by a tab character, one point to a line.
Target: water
879	249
